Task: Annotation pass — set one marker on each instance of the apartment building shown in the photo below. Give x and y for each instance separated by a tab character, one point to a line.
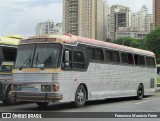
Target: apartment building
85	18
142	19
48	27
120	16
156	13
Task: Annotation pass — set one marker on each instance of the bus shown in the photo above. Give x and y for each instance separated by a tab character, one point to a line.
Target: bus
8	52
158	69
158	74
69	68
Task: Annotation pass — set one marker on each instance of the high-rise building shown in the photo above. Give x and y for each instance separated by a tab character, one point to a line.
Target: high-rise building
148	22
120	16
85	18
48	27
141	20
108	22
40	29
156	13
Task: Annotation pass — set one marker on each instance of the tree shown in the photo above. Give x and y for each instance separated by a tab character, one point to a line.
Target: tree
128	41
152	43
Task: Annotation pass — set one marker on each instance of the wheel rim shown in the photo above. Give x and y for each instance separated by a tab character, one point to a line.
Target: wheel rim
80	96
140	92
10	98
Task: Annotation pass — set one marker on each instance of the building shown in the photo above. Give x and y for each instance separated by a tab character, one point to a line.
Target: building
85	18
142	20
141	24
148	22
120	16
48	27
156	13
131	33
40	29
106	20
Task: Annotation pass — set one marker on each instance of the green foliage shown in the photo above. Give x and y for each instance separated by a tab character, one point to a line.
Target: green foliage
129	41
152	43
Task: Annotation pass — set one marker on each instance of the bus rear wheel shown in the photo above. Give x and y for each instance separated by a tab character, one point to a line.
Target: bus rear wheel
80	96
42	104
140	92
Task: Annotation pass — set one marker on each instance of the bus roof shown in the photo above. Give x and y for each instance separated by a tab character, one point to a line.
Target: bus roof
12	40
72	39
15	36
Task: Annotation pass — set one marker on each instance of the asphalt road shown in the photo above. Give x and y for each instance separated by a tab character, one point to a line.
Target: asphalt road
148	104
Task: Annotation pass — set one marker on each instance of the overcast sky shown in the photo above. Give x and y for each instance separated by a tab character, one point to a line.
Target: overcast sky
21	16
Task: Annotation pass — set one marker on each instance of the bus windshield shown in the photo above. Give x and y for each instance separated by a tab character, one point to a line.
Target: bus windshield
41	55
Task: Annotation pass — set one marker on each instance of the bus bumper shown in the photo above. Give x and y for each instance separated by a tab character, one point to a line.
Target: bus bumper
37	97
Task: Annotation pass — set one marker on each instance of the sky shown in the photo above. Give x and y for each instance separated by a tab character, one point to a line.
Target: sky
21	16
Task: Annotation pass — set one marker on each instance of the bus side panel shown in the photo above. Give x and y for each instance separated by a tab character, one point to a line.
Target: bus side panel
107	81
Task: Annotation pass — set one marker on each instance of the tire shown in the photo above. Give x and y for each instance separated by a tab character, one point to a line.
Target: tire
140	92
42	104
80	96
9	99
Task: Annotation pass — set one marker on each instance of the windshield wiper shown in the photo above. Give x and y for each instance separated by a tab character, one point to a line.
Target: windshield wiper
28	60
39	62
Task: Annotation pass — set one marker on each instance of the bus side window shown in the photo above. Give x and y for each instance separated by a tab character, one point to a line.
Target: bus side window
95	54
90	53
108	55
78	60
127	58
136	59
124	58
150	62
139	60
115	57
98	54
130	59
158	71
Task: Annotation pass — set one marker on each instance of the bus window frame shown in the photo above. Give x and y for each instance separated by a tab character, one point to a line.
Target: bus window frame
71	67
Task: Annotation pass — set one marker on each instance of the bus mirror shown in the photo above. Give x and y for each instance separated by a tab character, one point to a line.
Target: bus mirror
67	58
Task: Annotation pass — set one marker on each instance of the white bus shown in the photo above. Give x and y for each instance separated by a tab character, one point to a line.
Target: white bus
64	68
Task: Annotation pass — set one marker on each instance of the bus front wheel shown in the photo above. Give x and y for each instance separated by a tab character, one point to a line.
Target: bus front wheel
80	96
140	92
9	99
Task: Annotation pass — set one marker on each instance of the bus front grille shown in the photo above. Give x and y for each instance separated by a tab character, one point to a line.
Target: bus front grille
32	77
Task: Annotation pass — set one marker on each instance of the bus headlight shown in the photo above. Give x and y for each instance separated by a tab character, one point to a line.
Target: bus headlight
55	87
46	88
